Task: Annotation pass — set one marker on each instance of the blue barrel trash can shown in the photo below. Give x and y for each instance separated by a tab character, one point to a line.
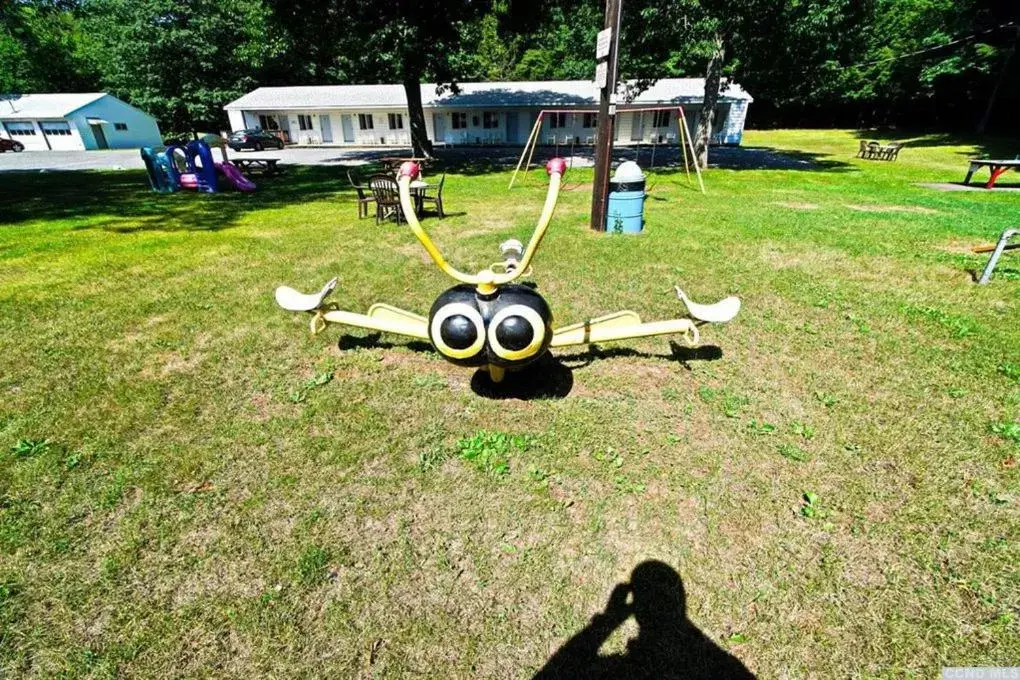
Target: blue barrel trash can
625	213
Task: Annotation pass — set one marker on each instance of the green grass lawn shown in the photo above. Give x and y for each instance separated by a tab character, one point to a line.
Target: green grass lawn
191	485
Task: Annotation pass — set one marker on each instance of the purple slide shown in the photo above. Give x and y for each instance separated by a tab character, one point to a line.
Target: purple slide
234	176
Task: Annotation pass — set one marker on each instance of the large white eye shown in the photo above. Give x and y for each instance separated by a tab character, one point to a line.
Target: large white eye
458	331
516	332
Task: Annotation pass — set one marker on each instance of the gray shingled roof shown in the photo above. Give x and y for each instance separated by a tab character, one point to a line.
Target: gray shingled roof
523	93
44	105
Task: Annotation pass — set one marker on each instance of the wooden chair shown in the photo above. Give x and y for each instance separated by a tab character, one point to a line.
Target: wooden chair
387	198
437	198
892	151
863	149
365	197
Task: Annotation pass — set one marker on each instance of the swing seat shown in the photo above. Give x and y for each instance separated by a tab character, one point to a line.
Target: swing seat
295	301
720	312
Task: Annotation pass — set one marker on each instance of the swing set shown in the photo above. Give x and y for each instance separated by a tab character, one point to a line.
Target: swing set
686	145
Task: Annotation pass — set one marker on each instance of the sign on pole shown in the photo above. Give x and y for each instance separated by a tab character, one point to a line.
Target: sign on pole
605	39
601	74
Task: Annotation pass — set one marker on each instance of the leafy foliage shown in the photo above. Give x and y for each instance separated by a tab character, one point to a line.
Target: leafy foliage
181	62
807	62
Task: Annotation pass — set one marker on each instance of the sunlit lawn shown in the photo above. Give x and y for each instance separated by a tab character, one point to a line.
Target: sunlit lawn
191	485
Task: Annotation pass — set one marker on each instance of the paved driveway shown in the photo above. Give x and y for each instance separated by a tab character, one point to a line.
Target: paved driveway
125	159
478	157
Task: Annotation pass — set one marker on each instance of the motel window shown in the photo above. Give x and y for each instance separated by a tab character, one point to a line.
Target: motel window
20	129
268	122
56	129
591	119
661	119
120	126
490	120
365	121
304	122
459	120
396	121
557	120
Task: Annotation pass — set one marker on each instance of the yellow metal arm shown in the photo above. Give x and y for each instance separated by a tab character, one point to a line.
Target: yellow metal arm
486	280
622	326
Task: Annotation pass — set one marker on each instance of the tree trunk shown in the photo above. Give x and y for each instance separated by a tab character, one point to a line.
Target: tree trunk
421	147
707	119
998	84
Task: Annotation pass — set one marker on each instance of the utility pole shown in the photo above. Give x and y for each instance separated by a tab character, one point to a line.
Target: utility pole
605	76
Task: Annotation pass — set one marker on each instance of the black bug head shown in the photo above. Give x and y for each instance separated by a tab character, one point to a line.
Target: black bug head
509	328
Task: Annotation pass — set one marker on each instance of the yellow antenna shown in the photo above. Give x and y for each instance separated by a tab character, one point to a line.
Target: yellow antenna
486	280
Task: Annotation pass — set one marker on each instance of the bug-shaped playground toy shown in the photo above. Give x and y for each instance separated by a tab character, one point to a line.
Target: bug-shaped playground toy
489	321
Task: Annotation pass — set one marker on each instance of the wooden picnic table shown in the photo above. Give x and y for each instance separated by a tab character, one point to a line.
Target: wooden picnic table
267	165
995	167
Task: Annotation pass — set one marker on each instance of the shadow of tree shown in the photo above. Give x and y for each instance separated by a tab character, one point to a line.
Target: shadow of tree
668	645
664	158
985	146
121	200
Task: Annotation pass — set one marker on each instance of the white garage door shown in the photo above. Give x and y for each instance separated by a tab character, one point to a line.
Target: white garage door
24	131
60	135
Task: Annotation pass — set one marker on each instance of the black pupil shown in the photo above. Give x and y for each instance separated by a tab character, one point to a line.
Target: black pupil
514	333
458	332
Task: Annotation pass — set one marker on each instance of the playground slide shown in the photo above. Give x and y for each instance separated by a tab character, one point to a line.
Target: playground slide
234	176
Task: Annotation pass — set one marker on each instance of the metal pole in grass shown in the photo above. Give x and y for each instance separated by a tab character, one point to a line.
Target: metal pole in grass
605	76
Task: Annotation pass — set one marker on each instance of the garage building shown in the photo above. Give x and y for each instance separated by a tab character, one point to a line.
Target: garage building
92	120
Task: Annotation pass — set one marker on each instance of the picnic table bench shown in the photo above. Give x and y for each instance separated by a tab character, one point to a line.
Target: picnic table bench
267	165
995	167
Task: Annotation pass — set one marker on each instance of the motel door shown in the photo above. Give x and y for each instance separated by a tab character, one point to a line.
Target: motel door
439	126
327	129
511	128
348	127
637	129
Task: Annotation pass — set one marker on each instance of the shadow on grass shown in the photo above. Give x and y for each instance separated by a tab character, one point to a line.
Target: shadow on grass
662	158
550	377
374	341
547	378
668	644
986	147
121	200
677	352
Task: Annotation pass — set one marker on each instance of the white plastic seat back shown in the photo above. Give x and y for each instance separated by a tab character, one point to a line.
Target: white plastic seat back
296	301
720	312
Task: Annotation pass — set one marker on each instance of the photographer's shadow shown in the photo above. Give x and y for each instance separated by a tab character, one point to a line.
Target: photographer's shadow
667	645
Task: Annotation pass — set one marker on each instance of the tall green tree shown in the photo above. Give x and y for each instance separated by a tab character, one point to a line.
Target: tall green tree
181	61
44	48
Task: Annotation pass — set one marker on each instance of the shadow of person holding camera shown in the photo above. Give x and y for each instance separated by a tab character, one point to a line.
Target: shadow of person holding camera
667	645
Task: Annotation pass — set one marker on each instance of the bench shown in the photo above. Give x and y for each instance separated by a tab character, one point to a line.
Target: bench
268	166
996	168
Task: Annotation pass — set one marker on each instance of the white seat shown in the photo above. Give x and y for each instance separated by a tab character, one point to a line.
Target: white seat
295	301
720	312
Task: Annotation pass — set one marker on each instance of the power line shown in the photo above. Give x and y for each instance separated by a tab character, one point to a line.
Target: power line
926	50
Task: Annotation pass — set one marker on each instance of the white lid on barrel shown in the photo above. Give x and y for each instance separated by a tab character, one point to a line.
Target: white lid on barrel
628	171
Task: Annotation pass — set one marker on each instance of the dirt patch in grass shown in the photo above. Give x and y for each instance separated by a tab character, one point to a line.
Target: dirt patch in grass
796	205
892	208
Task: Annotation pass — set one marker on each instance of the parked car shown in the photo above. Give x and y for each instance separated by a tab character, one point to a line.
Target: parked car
253	139
11	145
